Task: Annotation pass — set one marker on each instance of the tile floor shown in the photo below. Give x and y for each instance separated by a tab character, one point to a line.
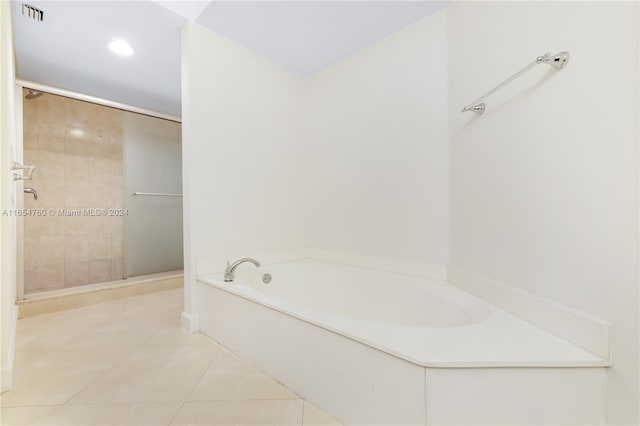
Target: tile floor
128	362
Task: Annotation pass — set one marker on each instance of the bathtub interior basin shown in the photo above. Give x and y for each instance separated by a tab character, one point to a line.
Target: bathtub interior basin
364	294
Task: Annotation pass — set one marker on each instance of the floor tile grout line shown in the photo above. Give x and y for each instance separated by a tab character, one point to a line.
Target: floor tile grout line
102	374
103	320
245	399
176	414
30	406
205	371
242	360
98	321
98	377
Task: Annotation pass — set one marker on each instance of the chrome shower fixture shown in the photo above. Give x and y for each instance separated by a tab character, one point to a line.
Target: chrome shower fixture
33	94
557	61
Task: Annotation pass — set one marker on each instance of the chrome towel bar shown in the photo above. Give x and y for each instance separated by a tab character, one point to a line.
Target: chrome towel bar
157	194
558	61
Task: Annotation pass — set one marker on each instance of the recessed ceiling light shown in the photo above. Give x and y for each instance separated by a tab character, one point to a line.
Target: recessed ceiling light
120	47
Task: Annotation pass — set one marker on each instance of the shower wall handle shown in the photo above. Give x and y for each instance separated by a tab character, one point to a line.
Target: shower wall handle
26	169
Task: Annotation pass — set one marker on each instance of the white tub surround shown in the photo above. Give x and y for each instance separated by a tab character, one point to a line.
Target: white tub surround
585	331
544	185
372	346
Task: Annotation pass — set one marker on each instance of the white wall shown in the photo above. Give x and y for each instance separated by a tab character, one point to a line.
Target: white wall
544	185
377	151
241	132
7	225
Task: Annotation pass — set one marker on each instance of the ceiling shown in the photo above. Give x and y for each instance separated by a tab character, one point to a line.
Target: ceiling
68	48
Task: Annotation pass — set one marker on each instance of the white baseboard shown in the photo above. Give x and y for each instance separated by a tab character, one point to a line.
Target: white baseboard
586	331
190	322
6	380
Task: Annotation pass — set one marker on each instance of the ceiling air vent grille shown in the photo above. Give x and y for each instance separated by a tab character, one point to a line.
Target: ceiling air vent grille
32	12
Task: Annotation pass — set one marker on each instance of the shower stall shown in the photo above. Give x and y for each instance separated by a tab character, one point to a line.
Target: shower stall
104	200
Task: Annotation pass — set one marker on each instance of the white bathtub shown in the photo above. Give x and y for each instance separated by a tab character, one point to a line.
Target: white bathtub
377	347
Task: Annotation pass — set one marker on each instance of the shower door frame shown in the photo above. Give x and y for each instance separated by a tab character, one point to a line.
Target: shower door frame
25	84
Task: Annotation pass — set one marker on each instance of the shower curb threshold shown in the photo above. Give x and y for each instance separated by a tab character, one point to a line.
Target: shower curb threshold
70	298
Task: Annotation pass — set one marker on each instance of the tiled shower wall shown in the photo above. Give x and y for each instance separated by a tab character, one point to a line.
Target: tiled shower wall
77	149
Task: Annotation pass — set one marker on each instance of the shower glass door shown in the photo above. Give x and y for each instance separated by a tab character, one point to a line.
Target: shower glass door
153	195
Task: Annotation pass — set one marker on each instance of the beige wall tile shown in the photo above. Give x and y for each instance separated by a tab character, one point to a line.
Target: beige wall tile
117	268
44	226
87	247
30	279
100	150
76	193
100	167
103	115
79	114
29	139
76	226
30	156
117	245
76	273
102	136
100	271
76	249
52	130
102	224
117	196
116	152
30	242
50	194
117	225
30	113
76	143
100	246
51	165
115	135
44	251
114	118
100	194
78	134
50	143
76	168
117	165
29	201
54	109
77	148
51	276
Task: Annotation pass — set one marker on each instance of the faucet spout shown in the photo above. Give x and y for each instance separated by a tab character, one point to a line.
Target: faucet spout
32	192
231	268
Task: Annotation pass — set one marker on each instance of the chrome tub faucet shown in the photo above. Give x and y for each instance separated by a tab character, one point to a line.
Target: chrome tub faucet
231	268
